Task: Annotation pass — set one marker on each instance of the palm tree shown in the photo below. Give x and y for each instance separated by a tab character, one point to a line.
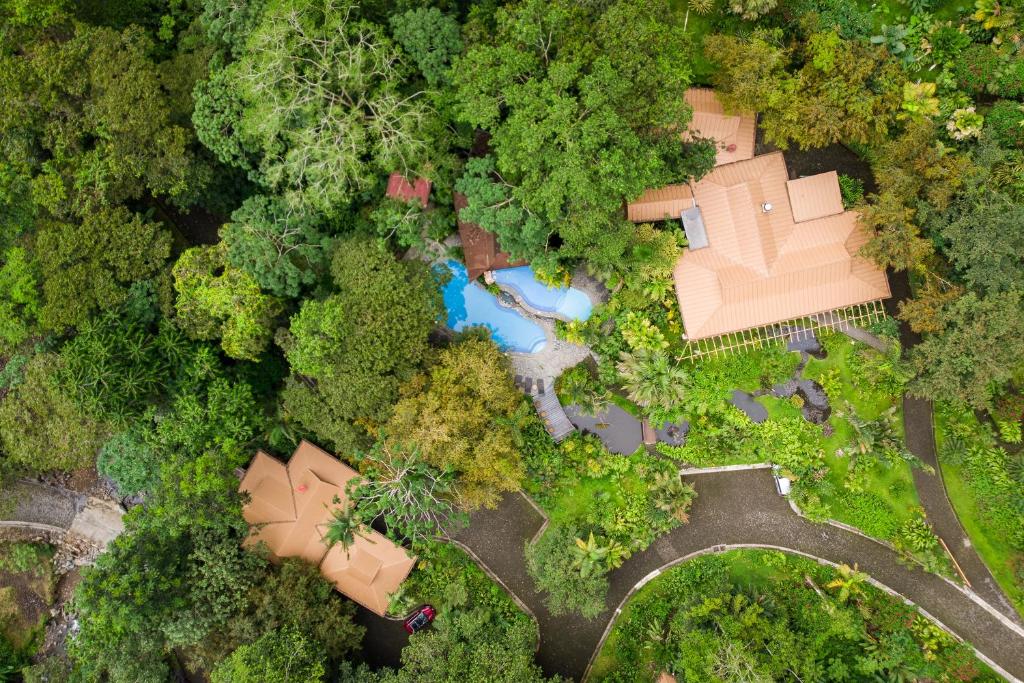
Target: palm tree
672	496
345	526
579	388
652	379
849	582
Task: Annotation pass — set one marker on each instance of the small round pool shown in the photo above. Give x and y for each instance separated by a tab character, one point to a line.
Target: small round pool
568	302
470	305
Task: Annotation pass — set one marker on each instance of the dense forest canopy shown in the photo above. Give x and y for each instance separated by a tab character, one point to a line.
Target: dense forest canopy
198	260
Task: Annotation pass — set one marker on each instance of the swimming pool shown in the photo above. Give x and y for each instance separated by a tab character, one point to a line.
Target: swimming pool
568	302
470	305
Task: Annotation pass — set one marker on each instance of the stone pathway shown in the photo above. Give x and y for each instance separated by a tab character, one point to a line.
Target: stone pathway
90	518
732	508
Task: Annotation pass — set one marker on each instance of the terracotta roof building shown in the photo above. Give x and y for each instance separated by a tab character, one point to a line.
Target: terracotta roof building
480	248
776	249
290	507
734	133
399	187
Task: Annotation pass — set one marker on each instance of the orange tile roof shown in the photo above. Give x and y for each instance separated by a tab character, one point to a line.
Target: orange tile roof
765	267
399	187
734	133
290	507
480	249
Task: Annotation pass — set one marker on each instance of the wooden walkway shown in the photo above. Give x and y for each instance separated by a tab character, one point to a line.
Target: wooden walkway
550	410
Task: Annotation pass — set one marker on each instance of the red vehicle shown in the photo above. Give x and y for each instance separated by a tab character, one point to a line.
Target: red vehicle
420	619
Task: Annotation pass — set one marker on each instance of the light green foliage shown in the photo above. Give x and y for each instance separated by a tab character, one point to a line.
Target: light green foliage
465	417
216	300
407	223
19	298
417	502
845	91
91	264
359	345
431	38
581	101
652	379
494	206
764	616
41	428
552	564
578	387
315	97
276	657
751	9
980	348
130	462
282	249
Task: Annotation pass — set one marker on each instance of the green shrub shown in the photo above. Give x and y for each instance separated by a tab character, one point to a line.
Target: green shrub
1005	122
1010	82
552	565
851	189
130	462
977	68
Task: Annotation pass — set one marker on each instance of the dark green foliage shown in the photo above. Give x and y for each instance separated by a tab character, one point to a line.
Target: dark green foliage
353	350
980	348
985	232
282	249
977	68
852	190
130	462
408	223
581	118
1005	122
552	565
431	38
847	18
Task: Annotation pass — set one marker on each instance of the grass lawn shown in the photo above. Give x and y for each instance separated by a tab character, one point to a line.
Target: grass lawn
990	544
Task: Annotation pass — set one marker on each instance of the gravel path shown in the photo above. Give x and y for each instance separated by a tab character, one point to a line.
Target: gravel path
732	508
26	501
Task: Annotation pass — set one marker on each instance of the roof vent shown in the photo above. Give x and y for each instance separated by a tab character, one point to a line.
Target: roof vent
693	226
766	207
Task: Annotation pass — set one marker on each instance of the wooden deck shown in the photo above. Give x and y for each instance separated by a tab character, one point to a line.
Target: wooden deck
550	410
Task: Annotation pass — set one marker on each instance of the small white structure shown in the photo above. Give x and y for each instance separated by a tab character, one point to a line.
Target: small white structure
782	484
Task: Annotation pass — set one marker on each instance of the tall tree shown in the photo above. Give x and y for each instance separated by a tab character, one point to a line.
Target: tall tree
315	99
353	350
91	264
979	350
454	417
583	104
216	300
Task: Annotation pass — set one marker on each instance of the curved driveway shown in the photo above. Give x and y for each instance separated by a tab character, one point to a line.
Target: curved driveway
732	508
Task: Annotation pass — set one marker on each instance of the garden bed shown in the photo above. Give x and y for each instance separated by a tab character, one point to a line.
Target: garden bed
774	616
982	489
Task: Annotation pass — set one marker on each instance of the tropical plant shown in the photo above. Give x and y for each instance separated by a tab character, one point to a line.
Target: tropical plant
594	558
965	123
672	495
652	379
848	583
345	527
578	387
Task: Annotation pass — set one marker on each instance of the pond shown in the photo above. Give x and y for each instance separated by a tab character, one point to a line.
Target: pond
567	302
470	305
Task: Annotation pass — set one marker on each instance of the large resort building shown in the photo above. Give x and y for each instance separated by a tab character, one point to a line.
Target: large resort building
763	248
289	508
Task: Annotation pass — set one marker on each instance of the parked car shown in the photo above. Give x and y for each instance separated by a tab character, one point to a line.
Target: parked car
420	619
782	484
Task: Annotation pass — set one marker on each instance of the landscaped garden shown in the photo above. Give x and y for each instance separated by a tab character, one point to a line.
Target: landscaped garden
985	483
764	615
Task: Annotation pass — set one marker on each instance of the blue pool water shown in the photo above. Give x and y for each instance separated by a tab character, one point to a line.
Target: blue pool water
566	301
470	305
